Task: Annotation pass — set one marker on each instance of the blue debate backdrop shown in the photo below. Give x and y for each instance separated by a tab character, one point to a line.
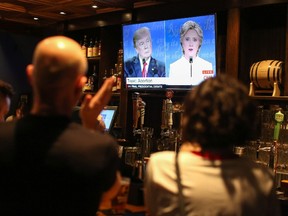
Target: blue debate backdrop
157	30
166	39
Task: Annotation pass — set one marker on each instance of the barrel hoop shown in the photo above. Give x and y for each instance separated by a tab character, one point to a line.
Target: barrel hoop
268	74
279	69
251	72
256	75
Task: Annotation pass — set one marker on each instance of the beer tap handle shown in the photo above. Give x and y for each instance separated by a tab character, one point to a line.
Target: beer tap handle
135	101
164	116
279	118
169	106
142	113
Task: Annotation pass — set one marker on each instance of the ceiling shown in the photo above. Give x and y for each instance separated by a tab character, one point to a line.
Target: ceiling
48	11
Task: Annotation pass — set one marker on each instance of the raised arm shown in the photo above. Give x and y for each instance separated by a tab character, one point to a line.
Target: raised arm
92	106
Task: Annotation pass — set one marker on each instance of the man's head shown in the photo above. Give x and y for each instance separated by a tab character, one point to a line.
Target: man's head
143	43
57	71
218	114
6	93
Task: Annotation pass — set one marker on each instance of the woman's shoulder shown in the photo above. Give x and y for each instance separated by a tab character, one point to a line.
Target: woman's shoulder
162	156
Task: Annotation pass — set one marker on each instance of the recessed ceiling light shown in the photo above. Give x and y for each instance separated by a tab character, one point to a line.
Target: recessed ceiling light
36	18
62	13
94	6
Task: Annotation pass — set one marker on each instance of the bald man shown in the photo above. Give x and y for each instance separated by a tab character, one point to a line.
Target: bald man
48	164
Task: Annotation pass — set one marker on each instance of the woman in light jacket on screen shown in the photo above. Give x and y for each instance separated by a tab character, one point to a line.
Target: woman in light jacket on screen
190	68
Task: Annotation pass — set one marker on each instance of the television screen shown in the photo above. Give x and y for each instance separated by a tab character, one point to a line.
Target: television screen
169	54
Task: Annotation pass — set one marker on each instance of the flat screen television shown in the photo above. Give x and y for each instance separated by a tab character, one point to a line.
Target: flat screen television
180	53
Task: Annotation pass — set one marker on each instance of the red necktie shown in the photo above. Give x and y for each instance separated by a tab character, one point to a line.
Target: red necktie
144	71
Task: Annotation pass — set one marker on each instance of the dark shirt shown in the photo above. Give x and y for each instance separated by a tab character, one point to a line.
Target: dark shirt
51	166
132	68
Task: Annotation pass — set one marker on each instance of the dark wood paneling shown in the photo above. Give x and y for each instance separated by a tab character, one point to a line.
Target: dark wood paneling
110	38
285	78
232	44
263	36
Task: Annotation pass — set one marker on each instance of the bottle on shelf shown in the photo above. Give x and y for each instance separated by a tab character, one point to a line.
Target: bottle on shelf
90	49
93	78
113	73
95	48
84	46
119	68
118	82
87	86
91	85
105	75
99	48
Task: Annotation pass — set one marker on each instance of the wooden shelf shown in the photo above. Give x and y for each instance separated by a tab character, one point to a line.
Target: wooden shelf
270	98
96	58
116	94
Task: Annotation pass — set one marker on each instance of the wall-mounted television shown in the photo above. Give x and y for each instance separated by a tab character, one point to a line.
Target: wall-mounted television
169	54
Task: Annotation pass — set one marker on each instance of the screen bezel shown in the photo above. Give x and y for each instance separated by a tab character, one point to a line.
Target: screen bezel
212	46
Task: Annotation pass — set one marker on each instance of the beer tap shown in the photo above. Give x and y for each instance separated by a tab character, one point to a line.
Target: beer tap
144	141
167	111
141	105
138	112
164	123
169	136
273	162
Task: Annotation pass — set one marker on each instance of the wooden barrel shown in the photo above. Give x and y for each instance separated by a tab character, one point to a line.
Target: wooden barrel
264	73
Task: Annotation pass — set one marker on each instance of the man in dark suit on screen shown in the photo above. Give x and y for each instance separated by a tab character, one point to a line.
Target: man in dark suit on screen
143	65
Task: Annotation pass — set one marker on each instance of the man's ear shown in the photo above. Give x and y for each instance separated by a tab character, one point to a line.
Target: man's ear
29	73
81	81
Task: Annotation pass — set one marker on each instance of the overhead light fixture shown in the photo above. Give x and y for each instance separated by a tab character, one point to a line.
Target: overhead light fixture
94	4
62	13
36	18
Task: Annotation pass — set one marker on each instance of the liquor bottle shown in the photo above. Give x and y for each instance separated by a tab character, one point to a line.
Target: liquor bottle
95	48
113	73
99	48
93	79
105	76
90	49
118	82
87	86
119	68
84	46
